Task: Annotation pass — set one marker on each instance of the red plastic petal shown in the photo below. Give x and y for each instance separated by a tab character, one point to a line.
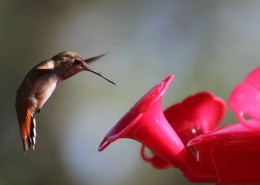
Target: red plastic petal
196	115
244	100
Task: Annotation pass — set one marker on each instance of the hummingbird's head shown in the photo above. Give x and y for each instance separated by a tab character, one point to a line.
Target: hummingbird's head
69	63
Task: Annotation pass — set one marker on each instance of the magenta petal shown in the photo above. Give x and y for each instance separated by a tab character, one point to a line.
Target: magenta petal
146	123
128	121
244	100
197	114
253	78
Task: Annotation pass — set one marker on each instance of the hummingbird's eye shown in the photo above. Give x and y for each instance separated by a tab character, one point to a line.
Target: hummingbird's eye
76	62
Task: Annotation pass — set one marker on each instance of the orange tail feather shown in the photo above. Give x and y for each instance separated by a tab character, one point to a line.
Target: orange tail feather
27	130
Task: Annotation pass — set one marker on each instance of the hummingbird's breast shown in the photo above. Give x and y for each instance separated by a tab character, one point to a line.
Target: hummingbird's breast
43	88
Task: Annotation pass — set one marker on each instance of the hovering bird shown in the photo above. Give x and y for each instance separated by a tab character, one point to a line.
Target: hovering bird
39	84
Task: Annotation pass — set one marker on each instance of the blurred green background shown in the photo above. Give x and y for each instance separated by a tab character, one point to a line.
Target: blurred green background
207	45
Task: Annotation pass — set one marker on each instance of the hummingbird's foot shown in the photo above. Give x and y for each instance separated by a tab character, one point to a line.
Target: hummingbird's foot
38	111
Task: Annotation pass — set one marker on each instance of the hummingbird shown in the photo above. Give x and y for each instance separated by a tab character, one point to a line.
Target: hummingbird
39	84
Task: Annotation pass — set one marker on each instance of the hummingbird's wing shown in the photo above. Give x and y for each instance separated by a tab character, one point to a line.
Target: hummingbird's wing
92	59
25	114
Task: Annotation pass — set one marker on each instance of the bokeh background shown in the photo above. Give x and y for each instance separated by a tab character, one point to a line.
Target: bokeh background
207	45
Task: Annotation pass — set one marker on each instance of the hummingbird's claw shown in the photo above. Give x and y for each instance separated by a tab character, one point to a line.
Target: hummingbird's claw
38	111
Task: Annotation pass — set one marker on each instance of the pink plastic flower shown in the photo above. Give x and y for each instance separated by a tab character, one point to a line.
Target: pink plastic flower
185	135
196	115
244	100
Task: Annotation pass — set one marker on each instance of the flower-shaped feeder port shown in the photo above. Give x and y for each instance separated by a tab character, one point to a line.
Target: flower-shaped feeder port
244	100
144	122
196	115
226	155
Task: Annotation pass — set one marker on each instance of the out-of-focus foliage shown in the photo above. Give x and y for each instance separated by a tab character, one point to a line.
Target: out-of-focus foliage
207	45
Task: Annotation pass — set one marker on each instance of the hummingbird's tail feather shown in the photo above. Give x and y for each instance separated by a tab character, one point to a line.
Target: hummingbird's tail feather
28	131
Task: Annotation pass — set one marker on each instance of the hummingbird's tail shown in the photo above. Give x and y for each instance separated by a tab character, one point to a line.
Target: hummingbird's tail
28	131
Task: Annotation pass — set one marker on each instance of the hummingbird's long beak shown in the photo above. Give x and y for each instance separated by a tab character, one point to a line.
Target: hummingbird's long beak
88	68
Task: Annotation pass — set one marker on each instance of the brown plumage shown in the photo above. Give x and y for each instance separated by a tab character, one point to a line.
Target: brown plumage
39	84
